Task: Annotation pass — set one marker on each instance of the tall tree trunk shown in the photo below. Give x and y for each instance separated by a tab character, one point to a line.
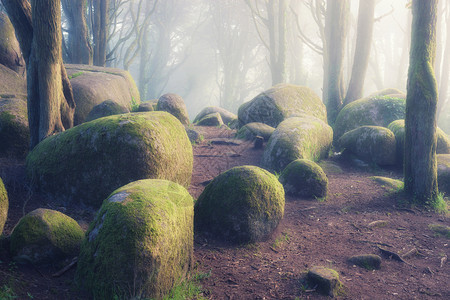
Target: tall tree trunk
362	52
443	87
50	99
336	26
100	28
80	50
420	167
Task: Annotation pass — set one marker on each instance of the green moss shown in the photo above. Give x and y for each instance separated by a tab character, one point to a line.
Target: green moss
87	162
326	280
243	204
141	242
75	75
388	183
44	235
4	205
295	138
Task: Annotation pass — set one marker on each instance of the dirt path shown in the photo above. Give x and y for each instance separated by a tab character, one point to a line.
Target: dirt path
311	233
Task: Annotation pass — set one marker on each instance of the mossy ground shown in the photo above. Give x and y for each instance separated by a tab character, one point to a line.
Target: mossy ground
4	205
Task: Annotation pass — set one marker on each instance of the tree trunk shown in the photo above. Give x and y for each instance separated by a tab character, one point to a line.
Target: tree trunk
335	33
420	167
80	51
362	51
50	99
445	74
100	28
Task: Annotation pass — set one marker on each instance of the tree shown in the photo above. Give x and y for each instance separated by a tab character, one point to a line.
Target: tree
50	98
100	30
79	48
362	52
336	26
420	167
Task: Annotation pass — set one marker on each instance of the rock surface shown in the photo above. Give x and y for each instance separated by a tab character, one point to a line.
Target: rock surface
443	170
327	280
366	261
106	108
227	117
212	119
251	130
174	105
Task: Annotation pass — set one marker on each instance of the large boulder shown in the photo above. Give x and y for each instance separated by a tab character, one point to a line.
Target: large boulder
106	108
443	170
398	128
251	130
45	236
89	161
93	85
140	243
174	105
10	53
227	117
14	132
372	111
304	178
299	137
212	119
4	204
388	92
371	143
280	102
243	204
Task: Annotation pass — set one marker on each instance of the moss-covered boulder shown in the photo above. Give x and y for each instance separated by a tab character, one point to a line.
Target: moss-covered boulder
443	170
227	117
366	261
243	204
212	119
251	130
326	280
93	85
14	132
280	102
371	143
4	205
140	243
398	128
174	105
372	111
148	105
304	178
299	137
388	92
87	162
106	108
12	85
45	236
10	53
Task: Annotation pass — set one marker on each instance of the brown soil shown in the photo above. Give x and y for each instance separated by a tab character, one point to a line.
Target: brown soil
311	233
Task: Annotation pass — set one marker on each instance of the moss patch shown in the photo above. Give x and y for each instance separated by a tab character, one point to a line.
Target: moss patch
243	204
4	205
388	183
45	235
326	280
141	242
89	161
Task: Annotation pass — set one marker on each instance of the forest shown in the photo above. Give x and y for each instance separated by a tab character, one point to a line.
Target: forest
232	149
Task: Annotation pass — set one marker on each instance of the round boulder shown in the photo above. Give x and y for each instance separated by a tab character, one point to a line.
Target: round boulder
140	243
149	105
106	108
46	236
14	132
212	119
251	130
280	102
174	105
443	171
372	111
227	117
304	178
87	162
4	204
243	204
299	137
371	143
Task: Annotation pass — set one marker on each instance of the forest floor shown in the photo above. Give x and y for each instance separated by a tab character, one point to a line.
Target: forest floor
311	233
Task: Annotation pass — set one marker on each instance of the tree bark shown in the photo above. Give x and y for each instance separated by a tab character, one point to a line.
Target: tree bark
445	74
362	52
80	51
420	167
336	26
50	99
100	28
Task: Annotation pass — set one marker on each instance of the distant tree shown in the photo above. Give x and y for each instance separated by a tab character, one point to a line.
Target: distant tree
50	99
79	48
420	167
336	25
362	51
100	30
445	72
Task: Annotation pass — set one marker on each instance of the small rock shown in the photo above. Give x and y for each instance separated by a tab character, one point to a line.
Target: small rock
327	280
366	261
259	141
378	224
